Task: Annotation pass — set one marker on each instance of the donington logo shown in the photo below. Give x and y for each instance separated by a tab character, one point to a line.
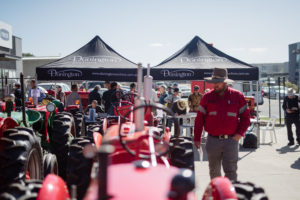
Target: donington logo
203	59
177	73
69	73
4	34
96	59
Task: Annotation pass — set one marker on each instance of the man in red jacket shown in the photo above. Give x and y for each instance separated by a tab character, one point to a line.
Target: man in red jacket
224	114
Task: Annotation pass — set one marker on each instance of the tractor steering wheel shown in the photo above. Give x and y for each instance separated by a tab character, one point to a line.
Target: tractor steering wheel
150	132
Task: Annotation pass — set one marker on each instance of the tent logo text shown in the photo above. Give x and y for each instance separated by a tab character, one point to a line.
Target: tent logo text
69	73
203	59
96	59
4	34
177	73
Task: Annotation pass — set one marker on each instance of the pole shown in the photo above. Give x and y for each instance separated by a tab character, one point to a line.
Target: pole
23	99
269	97
279	81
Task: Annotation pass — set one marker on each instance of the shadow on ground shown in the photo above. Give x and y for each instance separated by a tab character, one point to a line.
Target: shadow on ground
287	149
296	164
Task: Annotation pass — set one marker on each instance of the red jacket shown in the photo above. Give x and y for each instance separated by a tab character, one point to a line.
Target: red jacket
227	115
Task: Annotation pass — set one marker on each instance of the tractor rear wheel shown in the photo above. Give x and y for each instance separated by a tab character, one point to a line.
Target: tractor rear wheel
181	152
50	164
20	156
60	137
78	118
248	191
79	167
27	190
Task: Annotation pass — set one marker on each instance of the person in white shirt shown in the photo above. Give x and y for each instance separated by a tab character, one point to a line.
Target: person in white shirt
36	93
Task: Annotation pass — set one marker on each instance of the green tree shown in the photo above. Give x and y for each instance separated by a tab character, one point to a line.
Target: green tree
27	55
291	85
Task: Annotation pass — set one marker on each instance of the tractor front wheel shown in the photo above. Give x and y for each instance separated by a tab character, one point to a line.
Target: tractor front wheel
181	152
50	164
79	167
20	156
60	137
248	191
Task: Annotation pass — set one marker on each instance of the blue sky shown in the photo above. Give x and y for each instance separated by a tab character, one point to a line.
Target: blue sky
149	31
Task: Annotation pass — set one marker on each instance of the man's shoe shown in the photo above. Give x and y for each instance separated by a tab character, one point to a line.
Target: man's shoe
291	143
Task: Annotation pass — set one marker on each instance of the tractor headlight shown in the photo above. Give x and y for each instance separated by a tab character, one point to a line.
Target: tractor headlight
50	107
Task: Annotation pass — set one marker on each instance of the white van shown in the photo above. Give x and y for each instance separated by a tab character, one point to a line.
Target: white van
248	88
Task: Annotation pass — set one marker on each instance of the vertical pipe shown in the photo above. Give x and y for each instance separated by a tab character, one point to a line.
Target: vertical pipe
279	100
2	76
139	113
102	173
269	97
23	99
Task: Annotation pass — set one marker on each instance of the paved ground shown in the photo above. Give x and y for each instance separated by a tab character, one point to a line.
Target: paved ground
275	167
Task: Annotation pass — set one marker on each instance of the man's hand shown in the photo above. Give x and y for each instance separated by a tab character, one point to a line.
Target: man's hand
288	111
237	137
197	144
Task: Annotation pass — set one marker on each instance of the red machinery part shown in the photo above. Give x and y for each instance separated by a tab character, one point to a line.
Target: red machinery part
53	188
220	188
97	139
7	123
125	181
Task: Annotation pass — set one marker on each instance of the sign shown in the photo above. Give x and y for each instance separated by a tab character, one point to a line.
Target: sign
5	35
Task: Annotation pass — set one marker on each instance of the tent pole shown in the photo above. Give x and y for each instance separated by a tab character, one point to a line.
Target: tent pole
55	90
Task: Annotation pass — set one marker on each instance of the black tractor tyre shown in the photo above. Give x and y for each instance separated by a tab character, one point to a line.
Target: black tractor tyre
21	190
94	128
50	164
79	167
181	152
20	151
78	118
60	137
249	191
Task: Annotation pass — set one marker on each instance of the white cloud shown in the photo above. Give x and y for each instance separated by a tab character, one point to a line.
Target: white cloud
156	45
258	50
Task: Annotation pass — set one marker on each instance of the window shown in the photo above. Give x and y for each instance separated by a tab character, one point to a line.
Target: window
246	87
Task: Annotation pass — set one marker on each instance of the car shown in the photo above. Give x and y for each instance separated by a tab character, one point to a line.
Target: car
185	91
50	87
87	85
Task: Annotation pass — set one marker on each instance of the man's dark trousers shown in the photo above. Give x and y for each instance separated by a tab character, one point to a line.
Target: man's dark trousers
289	121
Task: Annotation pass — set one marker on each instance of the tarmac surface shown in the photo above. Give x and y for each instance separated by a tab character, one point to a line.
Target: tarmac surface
273	166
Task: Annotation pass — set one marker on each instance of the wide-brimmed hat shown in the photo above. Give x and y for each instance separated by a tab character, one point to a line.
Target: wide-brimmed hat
290	92
219	75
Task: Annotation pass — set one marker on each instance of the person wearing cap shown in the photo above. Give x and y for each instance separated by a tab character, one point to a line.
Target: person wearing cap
95	95
291	109
175	85
18	96
163	94
194	99
60	95
224	115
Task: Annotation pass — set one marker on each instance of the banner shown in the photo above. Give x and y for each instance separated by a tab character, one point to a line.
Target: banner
5	35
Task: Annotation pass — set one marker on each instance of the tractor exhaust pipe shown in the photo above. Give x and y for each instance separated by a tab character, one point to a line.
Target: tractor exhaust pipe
139	113
103	154
23	99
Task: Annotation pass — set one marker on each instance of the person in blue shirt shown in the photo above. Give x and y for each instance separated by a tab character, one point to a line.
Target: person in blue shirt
36	92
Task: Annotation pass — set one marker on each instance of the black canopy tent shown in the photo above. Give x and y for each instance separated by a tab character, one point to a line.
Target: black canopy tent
196	60
94	61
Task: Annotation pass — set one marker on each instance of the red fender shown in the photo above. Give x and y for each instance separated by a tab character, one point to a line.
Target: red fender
220	188
97	139
53	188
7	123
